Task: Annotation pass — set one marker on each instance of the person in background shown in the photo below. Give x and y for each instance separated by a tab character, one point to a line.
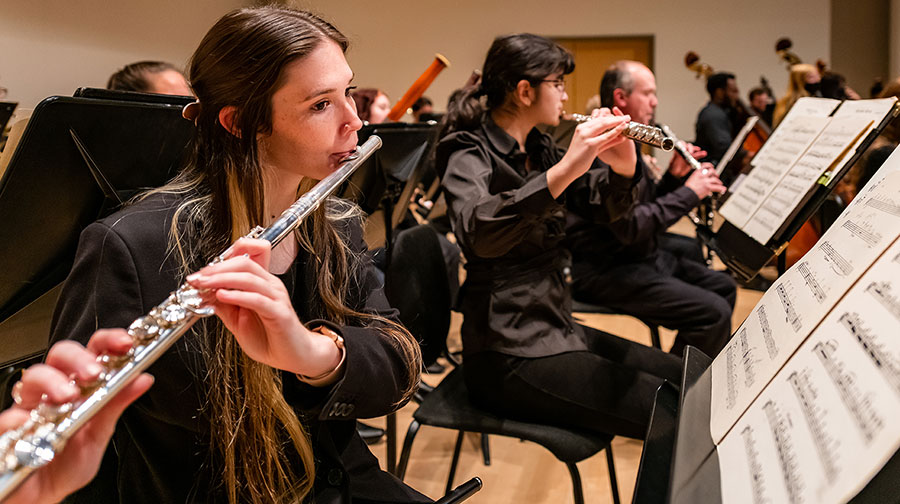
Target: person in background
624	263
372	105
422	106
150	77
834	85
762	105
715	122
804	80
505	184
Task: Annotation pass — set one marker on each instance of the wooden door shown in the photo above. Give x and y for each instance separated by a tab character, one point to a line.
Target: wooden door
593	56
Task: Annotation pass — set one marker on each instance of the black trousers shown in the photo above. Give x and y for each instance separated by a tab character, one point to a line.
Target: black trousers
610	388
676	292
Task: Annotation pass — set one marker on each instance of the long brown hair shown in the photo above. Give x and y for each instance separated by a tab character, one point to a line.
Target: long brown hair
253	429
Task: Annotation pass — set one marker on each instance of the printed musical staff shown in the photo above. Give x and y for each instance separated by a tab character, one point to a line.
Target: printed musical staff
881	291
811	281
859	406
869	236
784	446
732	377
789	311
884	362
885	205
841	265
767	332
757	477
806	395
747	359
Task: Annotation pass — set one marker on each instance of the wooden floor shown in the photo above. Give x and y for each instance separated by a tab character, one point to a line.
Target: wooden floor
523	472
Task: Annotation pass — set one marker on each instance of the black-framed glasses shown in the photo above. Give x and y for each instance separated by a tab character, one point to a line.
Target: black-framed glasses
560	84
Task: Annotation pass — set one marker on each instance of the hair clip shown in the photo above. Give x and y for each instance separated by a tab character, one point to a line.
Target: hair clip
191	111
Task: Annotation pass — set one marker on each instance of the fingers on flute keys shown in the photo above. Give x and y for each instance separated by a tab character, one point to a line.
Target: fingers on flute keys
68	364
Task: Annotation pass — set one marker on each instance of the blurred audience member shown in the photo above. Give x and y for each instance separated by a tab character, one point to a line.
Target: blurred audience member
150	77
372	105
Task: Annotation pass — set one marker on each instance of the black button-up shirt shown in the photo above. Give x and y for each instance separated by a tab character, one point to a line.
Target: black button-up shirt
515	300
598	246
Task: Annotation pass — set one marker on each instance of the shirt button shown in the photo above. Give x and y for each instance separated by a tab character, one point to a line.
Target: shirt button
335	477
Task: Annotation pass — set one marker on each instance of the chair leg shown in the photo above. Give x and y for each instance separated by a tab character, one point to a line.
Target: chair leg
576	483
613	482
455	462
407	448
486	449
391	439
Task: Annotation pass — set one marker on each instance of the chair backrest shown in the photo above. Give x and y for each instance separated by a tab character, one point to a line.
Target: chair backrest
416	285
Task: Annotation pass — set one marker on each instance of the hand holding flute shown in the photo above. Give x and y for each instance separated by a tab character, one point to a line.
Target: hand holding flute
75	466
601	138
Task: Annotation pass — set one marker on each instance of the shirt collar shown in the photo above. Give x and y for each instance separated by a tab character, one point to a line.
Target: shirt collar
499	138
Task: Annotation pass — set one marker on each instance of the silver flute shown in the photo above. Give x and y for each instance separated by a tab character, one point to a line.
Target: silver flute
692	161
681	149
44	434
640	133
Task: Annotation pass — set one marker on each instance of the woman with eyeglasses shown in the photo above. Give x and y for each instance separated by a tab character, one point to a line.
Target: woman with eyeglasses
505	184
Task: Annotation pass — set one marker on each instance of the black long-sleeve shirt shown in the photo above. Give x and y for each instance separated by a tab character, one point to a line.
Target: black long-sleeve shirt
714	131
510	228
160	450
597	246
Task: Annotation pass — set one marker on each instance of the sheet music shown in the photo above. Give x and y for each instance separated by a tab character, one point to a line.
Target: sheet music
736	144
827	152
796	136
875	110
799	299
827	422
806	106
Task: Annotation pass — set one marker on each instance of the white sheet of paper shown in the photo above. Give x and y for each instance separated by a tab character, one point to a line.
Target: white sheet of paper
826	424
806	106
826	151
874	110
736	144
796	136
798	300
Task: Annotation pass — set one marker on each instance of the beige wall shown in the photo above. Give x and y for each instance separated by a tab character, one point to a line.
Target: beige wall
52	47
895	38
394	40
860	42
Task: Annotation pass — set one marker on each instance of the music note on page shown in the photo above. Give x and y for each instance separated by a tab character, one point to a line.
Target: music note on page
857	403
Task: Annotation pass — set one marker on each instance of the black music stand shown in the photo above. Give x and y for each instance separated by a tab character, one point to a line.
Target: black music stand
386	183
387	180
132	96
78	160
744	255
681	465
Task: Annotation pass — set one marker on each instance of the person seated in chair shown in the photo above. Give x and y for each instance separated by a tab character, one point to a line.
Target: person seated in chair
621	264
504	181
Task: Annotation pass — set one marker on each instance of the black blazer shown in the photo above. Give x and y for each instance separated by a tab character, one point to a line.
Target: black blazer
160	449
